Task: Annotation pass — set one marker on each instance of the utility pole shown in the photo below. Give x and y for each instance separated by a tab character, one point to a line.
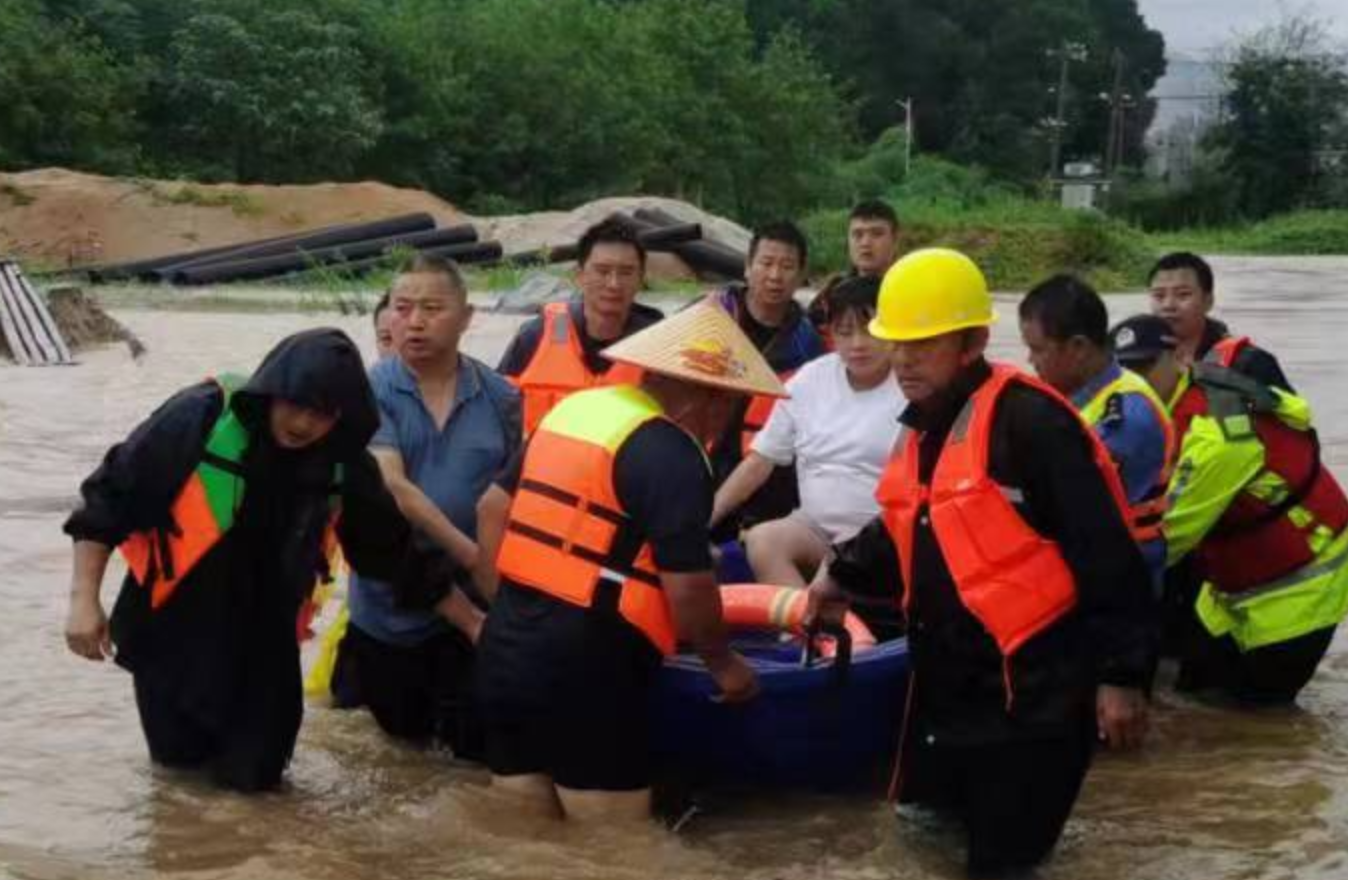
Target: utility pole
1118	103
907	105
1066	54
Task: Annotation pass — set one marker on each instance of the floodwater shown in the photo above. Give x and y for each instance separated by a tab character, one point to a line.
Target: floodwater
1216	793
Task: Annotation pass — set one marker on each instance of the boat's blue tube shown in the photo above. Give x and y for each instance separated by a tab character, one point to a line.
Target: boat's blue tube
809	728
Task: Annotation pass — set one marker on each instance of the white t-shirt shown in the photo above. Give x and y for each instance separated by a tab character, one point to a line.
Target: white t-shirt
840	440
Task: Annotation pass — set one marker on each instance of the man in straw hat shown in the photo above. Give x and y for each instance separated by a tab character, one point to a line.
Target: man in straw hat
1028	607
605	565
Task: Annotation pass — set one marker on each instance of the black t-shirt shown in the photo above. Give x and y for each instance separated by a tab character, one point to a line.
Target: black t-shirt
525	344
664	485
759	334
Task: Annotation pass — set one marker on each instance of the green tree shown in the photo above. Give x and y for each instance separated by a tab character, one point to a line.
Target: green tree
979	73
269	94
64	99
1286	110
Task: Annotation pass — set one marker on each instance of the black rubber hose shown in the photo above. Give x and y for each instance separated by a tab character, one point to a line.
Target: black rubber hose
309	241
654	238
299	261
466	253
329	235
707	258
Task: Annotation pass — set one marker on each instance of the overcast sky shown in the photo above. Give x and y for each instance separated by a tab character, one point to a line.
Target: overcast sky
1195	25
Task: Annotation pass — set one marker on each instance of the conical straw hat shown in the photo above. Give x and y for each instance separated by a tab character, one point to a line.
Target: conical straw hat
701	344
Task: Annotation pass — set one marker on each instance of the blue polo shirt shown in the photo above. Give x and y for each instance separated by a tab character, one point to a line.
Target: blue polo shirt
452	465
1135	438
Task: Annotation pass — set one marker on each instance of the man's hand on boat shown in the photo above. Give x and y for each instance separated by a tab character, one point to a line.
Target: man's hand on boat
736	679
827	602
695	601
1121	716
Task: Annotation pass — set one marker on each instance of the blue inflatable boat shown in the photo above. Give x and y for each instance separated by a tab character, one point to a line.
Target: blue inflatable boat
821	723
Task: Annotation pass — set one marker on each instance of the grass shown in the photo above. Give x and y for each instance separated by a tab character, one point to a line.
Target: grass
1297	234
241	203
1017	240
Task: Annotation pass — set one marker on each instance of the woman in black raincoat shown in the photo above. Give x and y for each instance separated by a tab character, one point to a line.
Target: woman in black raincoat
212	643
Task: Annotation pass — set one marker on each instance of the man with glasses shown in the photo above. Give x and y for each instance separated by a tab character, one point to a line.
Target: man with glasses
557	353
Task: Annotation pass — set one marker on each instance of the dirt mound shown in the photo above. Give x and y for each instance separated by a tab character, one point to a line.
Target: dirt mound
57	218
54	218
524	232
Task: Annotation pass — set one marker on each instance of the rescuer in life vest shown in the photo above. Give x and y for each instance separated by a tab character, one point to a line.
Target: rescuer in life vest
222	503
1262	517
1181	288
1002	535
605	565
558	352
1065	326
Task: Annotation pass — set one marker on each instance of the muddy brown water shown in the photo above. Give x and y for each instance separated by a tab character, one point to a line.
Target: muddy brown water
1216	793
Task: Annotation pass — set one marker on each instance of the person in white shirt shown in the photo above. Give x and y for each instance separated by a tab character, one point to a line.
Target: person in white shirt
838	427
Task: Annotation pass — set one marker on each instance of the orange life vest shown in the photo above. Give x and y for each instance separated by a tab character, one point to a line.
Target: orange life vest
1012	580
757	413
558	368
204	509
568	535
1225	350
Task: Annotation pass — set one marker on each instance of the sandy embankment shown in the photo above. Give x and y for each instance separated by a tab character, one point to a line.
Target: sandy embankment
56	219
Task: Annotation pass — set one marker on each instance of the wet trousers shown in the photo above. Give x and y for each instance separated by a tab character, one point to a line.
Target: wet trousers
1270	675
421	693
1013	798
248	753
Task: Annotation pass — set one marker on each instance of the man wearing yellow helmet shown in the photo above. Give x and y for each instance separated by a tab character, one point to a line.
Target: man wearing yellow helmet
1027	602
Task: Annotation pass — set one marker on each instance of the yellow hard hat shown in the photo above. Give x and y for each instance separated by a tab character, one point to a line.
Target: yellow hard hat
929	293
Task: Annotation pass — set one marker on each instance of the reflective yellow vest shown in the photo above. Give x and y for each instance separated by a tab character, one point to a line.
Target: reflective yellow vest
1145	514
1222	460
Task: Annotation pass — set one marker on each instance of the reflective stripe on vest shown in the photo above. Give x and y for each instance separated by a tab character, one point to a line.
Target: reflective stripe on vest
1311	598
1144	517
1012	580
558	369
567	533
1283	518
204	509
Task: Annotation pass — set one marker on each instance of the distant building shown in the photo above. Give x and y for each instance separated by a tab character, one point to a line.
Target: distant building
1188	103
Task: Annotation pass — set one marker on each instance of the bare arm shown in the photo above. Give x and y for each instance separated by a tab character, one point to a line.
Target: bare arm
86	623
695	602
493	511
421	512
746	479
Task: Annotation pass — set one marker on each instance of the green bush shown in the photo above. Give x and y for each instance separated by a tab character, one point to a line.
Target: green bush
1016	240
1294	234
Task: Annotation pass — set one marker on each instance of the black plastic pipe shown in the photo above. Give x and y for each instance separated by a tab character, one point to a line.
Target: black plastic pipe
704	257
299	261
466	253
310	242
653	238
310	239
